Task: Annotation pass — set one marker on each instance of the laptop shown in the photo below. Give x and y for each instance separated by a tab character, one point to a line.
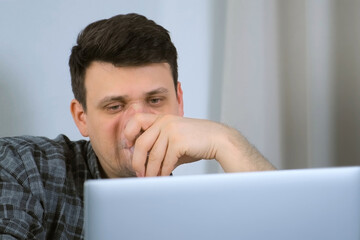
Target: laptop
285	204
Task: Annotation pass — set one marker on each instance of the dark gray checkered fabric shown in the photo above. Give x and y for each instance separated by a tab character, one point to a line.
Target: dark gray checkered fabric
41	187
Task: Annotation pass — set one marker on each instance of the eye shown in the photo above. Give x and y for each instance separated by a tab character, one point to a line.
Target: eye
155	100
113	108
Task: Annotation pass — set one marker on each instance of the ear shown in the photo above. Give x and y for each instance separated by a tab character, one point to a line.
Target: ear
180	100
79	116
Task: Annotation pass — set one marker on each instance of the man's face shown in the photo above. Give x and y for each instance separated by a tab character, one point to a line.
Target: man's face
113	96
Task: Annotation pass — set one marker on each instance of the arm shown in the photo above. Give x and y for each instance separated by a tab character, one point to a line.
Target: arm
20	211
236	154
171	140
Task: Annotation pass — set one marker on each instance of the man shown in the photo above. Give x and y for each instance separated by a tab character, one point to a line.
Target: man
129	103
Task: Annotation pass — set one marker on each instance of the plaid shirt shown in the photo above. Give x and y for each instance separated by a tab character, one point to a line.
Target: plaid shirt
41	187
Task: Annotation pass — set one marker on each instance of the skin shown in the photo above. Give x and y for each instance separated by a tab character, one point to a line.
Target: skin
134	119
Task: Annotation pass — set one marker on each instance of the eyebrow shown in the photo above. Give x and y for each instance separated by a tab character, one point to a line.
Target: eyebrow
159	90
124	98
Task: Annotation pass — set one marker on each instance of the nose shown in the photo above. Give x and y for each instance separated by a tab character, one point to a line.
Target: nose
131	110
137	107
134	108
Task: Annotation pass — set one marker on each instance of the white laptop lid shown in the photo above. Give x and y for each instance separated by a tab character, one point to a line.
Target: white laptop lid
288	204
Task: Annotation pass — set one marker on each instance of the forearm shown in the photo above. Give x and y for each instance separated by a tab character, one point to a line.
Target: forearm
236	154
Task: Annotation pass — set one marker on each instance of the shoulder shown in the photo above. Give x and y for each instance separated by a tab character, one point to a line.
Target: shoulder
37	179
26	143
41	147
31	157
13	151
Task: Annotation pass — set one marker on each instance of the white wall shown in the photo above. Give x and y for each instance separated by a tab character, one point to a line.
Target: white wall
35	42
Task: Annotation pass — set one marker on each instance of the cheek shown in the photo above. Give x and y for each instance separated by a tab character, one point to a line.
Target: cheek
107	128
176	109
114	127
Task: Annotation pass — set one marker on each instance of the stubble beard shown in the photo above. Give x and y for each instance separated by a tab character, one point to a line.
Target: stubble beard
125	158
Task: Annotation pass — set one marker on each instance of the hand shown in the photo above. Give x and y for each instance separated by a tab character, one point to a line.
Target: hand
163	142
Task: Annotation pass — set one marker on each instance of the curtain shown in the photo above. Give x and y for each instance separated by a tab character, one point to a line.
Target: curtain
291	79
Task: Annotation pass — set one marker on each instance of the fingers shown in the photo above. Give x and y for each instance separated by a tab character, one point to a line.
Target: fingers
156	156
143	145
149	158
136	125
170	161
151	146
159	142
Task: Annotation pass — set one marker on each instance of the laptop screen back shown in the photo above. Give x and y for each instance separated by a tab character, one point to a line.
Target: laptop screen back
291	204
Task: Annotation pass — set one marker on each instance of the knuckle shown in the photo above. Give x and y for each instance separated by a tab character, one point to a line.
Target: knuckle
141	144
127	132
136	165
137	117
172	126
153	156
167	169
166	118
167	166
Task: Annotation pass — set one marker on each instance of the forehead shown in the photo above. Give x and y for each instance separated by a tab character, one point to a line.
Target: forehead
106	79
108	70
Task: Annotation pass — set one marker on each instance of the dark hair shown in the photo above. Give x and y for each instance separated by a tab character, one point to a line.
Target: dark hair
123	40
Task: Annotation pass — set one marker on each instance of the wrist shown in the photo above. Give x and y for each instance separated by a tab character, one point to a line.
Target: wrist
236	154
